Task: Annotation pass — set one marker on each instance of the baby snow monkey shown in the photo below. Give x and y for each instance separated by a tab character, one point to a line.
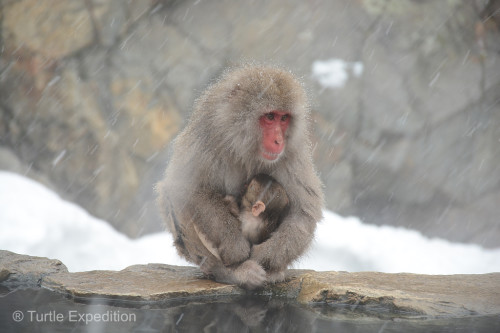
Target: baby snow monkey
263	205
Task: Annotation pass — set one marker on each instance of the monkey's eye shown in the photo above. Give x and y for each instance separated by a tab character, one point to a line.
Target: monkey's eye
285	117
270	116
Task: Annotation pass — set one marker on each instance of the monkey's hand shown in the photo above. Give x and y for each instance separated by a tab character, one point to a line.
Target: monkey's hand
234	251
250	275
272	258
259	254
286	244
276	277
232	204
274	274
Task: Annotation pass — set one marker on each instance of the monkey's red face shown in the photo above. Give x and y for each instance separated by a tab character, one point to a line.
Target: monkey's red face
274	125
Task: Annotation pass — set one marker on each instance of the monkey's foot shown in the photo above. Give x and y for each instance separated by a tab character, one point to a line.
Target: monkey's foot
275	277
250	275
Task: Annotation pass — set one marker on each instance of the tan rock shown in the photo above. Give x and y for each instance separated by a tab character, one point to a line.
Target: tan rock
149	126
153	282
400	295
407	295
52	28
429	295
27	270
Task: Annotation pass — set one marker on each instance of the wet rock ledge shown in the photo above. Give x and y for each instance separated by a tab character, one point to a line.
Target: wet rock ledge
412	294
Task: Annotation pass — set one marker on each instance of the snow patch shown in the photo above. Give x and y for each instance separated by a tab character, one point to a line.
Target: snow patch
334	73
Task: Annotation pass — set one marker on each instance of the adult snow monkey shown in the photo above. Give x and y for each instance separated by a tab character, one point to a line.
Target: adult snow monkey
253	120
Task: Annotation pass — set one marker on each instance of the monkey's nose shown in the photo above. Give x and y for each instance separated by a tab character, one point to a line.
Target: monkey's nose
279	138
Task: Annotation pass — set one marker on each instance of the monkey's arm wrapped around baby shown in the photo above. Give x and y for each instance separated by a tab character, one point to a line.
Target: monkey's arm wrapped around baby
286	244
214	219
296	230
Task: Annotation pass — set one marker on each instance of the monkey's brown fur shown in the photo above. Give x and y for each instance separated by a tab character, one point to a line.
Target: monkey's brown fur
217	153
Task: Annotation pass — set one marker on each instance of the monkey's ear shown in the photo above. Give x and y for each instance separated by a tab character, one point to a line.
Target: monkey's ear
258	208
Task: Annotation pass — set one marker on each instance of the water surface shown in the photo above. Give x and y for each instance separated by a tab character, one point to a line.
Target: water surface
40	310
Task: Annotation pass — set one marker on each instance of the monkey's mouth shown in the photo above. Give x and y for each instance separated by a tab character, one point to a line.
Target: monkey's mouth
270	155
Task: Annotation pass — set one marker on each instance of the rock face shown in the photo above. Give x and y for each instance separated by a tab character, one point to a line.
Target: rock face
92	92
411	294
149	283
429	295
403	295
25	270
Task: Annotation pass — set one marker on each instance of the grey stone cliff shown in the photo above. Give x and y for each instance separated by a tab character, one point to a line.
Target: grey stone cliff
92	92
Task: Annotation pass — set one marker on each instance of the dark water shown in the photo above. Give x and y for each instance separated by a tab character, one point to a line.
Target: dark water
39	310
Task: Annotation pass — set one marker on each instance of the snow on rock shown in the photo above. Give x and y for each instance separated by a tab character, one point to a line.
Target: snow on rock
333	73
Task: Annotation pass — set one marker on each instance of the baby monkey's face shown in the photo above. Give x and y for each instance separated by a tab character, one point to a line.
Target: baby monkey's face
266	192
